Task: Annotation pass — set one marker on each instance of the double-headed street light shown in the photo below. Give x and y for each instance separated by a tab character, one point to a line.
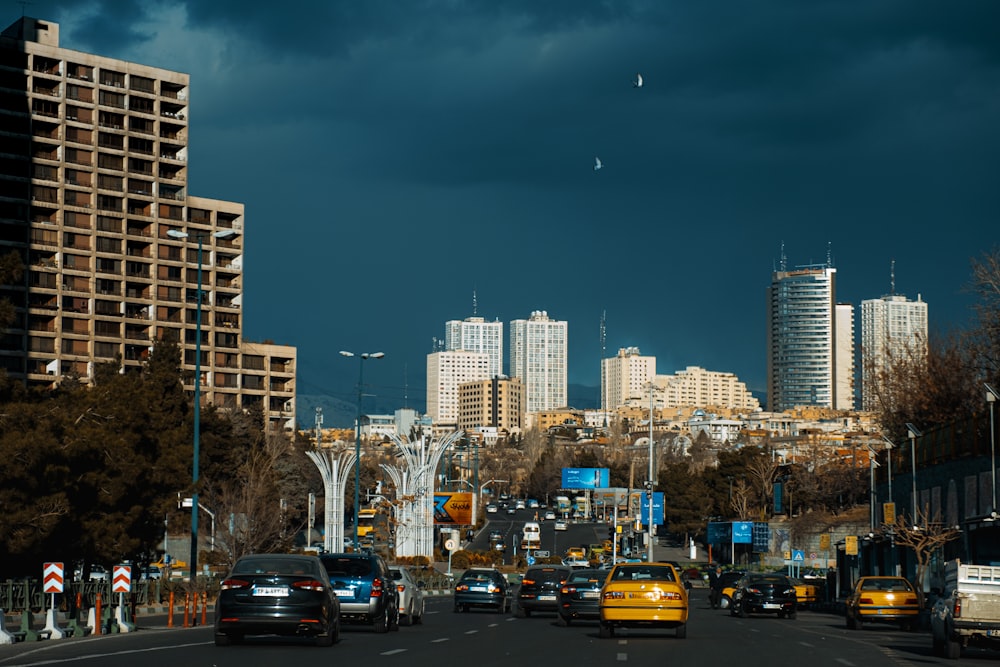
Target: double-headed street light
357	440
200	237
913	432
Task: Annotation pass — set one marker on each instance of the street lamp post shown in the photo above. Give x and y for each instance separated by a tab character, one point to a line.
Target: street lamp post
357	441
991	397
200	237
913	433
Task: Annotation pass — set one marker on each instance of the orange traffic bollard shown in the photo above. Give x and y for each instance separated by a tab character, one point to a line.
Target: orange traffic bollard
204	607
194	609
97	614
187	610
170	611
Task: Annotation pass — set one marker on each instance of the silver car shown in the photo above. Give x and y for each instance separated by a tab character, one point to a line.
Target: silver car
411	596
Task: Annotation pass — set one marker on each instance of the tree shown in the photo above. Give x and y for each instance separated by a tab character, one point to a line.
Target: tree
925	536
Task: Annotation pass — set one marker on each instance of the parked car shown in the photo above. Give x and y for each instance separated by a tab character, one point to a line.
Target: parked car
641	595
720	595
483	587
882	599
151	572
98	573
365	588
282	594
411	596
580	595
764	594
539	589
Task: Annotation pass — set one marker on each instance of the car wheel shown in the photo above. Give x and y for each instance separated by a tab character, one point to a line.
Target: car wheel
222	639
742	611
791	615
407	618
851	623
381	624
329	638
418	618
781	614
562	620
682	631
394	618
606	631
952	649
458	608
520	613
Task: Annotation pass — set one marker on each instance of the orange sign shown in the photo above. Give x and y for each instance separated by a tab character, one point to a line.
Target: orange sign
453	508
121	579
52	578
851	545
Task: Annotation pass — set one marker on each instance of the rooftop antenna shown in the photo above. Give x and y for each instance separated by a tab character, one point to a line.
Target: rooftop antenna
405	387
892	277
782	261
829	254
474	302
604	343
23	3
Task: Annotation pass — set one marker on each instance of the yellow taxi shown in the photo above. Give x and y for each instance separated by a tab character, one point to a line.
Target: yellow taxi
806	592
643	595
882	599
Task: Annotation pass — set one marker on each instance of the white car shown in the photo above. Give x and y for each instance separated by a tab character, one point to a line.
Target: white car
576	563
491	509
560	525
550	516
411	596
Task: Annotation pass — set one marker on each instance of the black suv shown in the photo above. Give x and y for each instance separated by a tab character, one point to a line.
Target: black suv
540	589
365	588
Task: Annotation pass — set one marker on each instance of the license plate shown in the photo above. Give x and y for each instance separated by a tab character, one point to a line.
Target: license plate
477	589
590	595
271	591
546	598
771	605
993	633
342	593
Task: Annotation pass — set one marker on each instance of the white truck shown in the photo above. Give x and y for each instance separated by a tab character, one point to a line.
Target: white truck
968	611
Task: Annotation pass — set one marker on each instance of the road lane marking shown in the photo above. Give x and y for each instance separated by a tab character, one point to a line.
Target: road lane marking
443	639
845	661
471	632
807	644
394	651
622	657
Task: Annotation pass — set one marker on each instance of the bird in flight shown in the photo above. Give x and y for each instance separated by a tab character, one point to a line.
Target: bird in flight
597	163
638	81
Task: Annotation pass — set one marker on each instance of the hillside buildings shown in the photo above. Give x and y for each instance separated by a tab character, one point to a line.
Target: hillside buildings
94	197
624	376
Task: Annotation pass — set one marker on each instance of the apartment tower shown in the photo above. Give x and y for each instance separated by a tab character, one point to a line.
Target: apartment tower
538	354
893	329
809	341
625	376
94	198
474	334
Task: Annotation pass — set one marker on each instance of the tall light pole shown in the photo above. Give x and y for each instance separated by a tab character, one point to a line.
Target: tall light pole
913	433
649	529
991	398
200	237
357	440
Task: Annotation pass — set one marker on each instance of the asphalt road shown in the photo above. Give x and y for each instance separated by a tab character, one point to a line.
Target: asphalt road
487	639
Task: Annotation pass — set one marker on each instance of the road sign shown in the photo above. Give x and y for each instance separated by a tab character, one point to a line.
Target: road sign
851	545
531	560
52	578
450	545
798	555
121	579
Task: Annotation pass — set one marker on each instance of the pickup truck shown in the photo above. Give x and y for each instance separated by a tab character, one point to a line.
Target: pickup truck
968	611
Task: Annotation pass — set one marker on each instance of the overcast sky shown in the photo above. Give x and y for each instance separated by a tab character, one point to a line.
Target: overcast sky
397	157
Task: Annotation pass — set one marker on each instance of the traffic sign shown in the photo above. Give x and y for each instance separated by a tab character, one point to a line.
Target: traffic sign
121	579
450	545
52	578
531	560
798	555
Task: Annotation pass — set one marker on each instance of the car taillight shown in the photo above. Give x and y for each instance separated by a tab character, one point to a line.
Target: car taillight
614	595
866	601
400	587
462	587
232	584
957	609
527	582
911	600
309	585
376	588
670	595
568	589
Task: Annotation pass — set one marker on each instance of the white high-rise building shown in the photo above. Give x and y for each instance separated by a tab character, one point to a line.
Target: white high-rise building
697	387
445	371
625	376
474	334
809	341
892	327
538	356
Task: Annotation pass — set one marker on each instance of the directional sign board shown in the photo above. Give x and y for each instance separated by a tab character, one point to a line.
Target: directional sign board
52	578
121	579
453	508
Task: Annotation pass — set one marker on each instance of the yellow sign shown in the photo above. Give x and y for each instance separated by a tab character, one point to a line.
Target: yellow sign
824	542
888	512
453	508
851	545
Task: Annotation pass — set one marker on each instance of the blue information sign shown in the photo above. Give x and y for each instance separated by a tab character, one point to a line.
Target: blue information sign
742	532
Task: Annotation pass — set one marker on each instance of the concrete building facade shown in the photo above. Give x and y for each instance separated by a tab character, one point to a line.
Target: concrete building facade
625	376
496	403
475	334
446	371
892	328
93	195
538	356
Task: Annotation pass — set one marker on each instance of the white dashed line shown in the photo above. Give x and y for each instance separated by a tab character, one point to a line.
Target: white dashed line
622	657
438	641
394	651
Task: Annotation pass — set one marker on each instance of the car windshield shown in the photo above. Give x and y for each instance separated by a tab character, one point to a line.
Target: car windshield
274	566
660	573
349	567
477	577
885	585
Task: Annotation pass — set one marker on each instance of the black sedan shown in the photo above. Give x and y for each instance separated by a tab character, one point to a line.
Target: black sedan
540	588
580	596
277	594
764	594
483	587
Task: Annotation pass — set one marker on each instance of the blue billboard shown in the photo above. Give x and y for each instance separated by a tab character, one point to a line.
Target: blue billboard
585	478
657	509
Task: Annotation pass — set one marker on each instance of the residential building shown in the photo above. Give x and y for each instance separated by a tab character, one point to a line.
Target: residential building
807	355
893	328
496	403
625	376
474	334
94	196
697	387
538	356
446	370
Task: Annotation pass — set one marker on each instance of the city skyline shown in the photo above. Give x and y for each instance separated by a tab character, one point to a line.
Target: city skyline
393	161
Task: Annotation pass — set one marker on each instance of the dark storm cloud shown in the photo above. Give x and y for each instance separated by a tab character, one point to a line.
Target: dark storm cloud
460	133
